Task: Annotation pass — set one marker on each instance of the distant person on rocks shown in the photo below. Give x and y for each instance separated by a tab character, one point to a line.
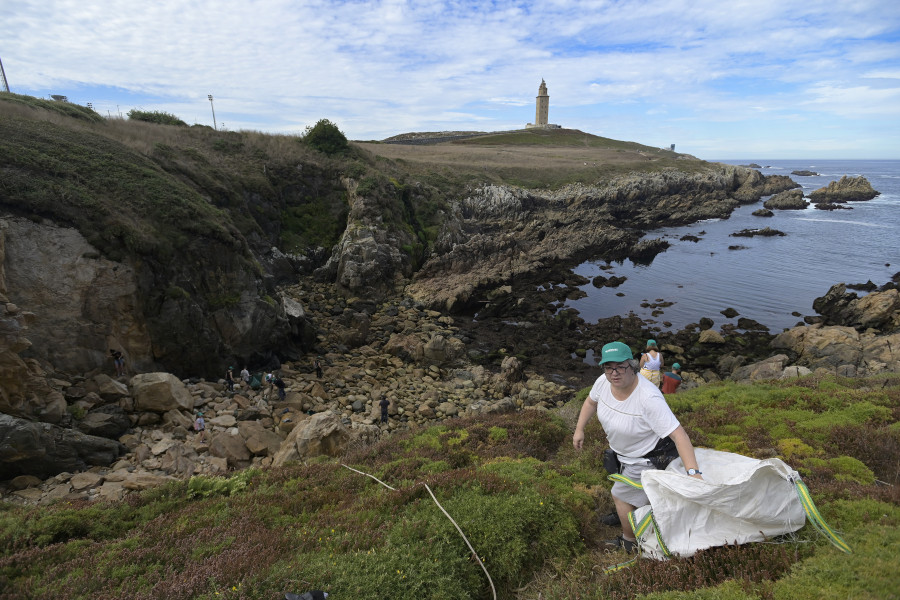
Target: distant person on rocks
643	432
200	426
318	366
229	379
652	363
245	376
279	383
384	404
671	380
270	385
119	362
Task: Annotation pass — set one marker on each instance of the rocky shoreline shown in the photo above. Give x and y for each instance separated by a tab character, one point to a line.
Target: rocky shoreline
131	433
479	326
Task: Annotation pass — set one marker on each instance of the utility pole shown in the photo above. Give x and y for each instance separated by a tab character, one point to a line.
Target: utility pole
5	87
213	111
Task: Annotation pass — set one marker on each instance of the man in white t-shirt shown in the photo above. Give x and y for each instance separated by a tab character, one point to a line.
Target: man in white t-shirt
635	417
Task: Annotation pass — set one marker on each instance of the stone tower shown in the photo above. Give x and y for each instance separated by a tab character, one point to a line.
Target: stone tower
542	110
542	106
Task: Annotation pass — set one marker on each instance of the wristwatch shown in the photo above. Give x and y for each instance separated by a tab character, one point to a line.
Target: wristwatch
694	472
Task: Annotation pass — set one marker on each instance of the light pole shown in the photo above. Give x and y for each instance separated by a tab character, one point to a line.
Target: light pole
213	108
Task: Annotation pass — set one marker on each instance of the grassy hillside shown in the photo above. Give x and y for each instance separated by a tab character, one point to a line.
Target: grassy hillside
138	187
524	499
531	158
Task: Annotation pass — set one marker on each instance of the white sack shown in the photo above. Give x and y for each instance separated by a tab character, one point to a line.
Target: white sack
739	500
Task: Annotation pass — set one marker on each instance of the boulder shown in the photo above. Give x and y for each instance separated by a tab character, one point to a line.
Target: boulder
160	392
54	410
108	421
407	347
512	370
817	346
321	434
106	387
710	336
878	310
260	441
87	480
222	421
143	480
232	448
179	460
24	481
794	371
770	368
441	350
42	449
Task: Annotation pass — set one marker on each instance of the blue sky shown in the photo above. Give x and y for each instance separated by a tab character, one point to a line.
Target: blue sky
720	79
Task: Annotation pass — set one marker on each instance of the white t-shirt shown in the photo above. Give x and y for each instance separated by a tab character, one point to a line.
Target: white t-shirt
635	425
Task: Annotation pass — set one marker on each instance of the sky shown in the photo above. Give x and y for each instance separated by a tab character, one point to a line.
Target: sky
719	79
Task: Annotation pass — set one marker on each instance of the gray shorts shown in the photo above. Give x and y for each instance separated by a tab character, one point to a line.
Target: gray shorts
625	492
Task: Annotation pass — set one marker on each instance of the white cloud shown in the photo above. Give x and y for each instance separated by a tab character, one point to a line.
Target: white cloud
387	66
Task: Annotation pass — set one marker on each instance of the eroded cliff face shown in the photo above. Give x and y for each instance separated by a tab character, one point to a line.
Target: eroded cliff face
192	316
84	304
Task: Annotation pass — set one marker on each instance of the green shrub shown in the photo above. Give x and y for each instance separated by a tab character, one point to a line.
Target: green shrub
204	487
498	434
325	137
156	116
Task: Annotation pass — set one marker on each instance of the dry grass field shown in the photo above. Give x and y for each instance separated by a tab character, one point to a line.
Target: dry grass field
532	159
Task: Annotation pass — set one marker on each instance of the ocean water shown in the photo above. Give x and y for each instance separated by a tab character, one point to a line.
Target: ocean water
772	277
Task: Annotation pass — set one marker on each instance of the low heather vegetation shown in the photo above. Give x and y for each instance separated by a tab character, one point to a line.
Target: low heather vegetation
525	500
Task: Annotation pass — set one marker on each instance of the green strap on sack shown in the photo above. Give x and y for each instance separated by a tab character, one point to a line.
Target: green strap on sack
626	481
812	513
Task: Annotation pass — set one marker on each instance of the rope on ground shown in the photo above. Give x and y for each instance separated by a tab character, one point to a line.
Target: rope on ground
372	476
475	554
465	539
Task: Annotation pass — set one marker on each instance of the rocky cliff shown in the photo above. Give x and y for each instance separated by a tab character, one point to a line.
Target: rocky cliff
163	253
498	233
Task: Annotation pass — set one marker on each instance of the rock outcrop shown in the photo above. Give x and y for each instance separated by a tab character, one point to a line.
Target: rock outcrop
498	233
788	200
879	310
856	337
847	189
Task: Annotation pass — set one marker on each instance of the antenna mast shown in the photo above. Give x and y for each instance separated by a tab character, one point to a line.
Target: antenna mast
5	87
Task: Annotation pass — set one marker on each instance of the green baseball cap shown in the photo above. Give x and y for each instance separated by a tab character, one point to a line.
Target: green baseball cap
651	343
615	352
676	366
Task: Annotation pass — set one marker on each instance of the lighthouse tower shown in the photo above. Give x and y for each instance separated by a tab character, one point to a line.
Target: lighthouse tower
542	105
542	110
